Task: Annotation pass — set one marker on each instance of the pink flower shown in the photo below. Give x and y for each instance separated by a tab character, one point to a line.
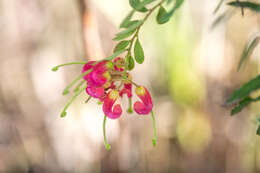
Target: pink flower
95	92
144	107
126	90
119	64
99	75
87	67
109	101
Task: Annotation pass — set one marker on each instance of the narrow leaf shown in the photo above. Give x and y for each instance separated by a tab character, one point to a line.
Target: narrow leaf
258	130
242	104
161	19
135	4
248	50
218	6
245	90
165	16
119	37
114	55
138	52
130	23
129	31
130	62
245	4
121	45
127	19
222	18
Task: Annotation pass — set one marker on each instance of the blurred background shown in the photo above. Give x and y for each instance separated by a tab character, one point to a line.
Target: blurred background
190	69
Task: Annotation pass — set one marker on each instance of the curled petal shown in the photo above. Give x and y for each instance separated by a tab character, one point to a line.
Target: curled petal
126	90
100	75
146	106
96	92
108	104
87	67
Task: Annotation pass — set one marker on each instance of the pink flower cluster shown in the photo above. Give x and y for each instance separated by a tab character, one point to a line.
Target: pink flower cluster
108	81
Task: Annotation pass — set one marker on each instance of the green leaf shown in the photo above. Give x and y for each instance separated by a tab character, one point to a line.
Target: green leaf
163	16
135	4
123	36
130	62
114	55
258	130
161	19
248	50
129	31
127	25
138	52
121	45
127	19
245	4
243	103
245	90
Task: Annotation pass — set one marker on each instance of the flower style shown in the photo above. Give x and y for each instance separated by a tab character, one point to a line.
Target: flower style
108	81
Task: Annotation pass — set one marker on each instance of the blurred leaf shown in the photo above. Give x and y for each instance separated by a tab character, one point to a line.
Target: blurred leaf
114	55
130	62
248	50
163	16
245	90
123	36
136	4
258	129
222	18
243	103
138	52
130	23
245	4
121	45
129	31
218	6
127	19
169	1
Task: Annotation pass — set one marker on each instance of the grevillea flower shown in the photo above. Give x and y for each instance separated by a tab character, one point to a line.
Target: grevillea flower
119	64
146	106
126	90
108	81
108	109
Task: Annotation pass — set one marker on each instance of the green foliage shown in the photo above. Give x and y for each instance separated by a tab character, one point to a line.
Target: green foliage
115	54
136	4
245	90
128	32
121	45
163	16
127	20
130	62
248	50
138	52
245	4
258	129
243	103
